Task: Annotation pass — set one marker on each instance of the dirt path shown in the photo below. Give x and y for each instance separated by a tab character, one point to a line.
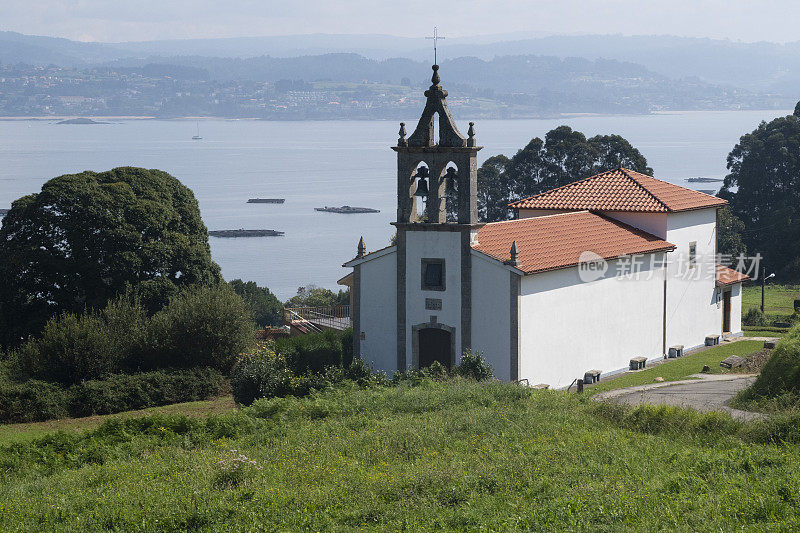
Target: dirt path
709	392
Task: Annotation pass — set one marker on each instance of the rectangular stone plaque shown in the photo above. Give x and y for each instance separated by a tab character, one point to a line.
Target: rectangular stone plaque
433	304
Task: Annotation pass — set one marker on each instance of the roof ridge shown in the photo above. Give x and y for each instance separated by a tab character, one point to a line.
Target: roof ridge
575	212
628	174
673	184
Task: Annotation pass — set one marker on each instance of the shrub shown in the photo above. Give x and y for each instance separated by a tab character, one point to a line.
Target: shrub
265	374
35	401
32	401
313	352
127	326
754	317
202	326
473	366
126	392
234	469
71	348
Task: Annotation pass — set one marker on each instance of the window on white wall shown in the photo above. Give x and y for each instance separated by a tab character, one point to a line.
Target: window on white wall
433	274
692	254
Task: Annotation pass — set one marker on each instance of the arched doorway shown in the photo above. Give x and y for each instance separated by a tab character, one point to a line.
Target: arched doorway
435	344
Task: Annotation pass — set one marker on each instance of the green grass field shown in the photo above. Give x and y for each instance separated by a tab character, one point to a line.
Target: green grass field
11	433
681	368
766	333
778	299
440	456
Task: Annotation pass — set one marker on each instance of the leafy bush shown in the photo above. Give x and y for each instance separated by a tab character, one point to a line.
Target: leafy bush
473	366
203	326
754	317
264	374
313	352
34	401
234	469
126	392
265	307
71	348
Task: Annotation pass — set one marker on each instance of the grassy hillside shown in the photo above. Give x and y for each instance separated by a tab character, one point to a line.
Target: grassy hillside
455	456
778	299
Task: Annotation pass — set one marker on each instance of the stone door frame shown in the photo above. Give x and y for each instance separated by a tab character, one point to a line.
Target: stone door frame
415	341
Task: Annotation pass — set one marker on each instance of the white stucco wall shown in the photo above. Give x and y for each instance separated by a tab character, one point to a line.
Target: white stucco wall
736	308
653	223
379	312
569	327
692	311
491	313
433	245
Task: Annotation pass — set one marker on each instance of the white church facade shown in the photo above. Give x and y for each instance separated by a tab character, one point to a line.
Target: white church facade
590	275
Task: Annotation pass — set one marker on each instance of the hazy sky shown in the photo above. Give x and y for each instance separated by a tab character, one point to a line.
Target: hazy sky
136	20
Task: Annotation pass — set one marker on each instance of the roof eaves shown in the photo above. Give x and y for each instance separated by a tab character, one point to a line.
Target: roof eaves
370	256
498	260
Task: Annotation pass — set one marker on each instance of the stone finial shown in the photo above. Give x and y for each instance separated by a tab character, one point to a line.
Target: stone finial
362	249
402	140
435	78
514	261
471	134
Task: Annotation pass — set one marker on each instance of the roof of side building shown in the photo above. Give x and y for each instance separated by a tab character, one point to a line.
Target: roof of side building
621	190
729	276
556	241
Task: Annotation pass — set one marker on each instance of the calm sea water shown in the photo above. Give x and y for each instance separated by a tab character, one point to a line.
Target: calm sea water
313	164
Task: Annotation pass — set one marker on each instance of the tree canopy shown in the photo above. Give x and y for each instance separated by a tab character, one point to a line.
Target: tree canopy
86	237
562	157
763	188
313	296
266	308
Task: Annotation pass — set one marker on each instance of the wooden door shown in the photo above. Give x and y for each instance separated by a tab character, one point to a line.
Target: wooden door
726	312
434	345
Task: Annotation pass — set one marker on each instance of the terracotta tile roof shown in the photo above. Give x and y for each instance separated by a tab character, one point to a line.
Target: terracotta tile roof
620	190
729	276
556	241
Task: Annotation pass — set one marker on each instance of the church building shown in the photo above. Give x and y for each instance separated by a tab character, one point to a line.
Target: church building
588	276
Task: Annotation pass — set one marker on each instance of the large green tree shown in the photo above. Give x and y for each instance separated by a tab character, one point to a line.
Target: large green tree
562	157
763	188
266	308
86	237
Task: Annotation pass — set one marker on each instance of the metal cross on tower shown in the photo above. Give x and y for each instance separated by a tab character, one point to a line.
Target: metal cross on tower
435	38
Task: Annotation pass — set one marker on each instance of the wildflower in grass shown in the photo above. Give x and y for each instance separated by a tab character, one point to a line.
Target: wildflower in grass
234	469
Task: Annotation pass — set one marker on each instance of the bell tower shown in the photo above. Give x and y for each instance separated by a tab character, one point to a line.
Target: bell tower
431	169
434	246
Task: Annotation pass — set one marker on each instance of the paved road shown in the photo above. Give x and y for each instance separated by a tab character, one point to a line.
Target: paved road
711	392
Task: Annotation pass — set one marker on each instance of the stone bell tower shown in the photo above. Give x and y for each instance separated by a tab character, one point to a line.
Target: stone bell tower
443	173
437	154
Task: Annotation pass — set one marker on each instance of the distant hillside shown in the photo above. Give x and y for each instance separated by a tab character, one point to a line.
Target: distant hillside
36	50
762	67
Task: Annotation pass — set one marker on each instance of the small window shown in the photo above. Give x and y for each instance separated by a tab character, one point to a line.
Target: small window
692	254
433	274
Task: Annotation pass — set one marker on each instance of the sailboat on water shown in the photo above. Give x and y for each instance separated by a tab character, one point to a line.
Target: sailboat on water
197	137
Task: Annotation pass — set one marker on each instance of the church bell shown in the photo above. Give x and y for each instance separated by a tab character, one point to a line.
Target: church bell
422	183
422	188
